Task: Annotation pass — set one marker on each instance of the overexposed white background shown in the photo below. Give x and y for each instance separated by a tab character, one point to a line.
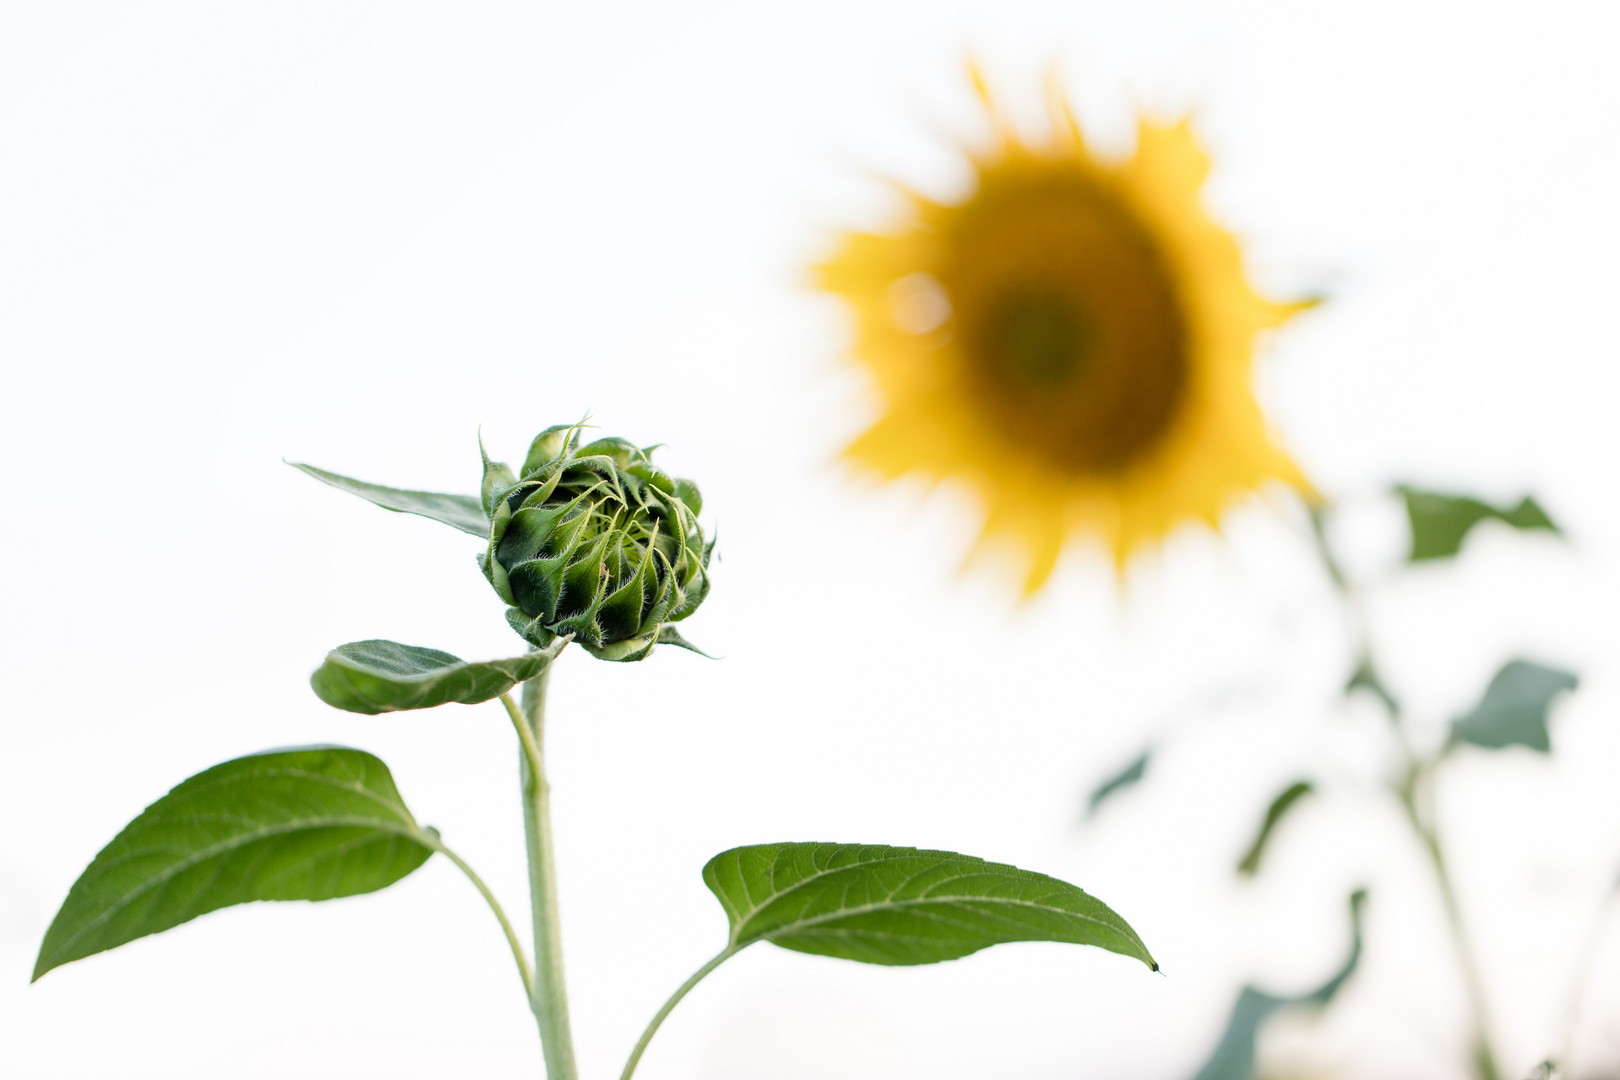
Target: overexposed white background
353	233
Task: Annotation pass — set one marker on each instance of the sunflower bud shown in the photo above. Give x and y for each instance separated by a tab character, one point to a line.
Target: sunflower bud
594	541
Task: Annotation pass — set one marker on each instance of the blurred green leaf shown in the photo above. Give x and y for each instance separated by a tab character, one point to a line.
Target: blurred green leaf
1250	863
307	824
898	905
1234	1056
380	676
1513	711
1366	678
1440	523
1128	776
458	511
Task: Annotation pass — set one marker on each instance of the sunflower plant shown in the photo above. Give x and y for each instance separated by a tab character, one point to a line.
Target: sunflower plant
589	544
1511	714
1073	340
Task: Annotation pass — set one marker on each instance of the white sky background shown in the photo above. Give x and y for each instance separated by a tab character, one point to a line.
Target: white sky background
351	234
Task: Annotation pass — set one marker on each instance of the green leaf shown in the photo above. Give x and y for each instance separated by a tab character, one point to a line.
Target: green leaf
1234	1056
891	905
458	511
498	480
1440	523
1250	863
384	676
1513	711
898	905
1129	776
668	635
307	824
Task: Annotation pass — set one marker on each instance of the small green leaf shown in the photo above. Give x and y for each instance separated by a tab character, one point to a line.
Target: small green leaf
458	511
898	905
1129	776
384	676
307	824
1513	711
668	635
1440	523
1324	994
498	480
1234	1056
1250	864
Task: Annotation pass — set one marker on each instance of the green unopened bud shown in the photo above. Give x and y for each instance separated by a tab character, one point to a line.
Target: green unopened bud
594	541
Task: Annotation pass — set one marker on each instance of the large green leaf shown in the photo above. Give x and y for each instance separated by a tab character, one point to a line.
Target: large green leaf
1513	711
891	905
307	824
458	511
1440	523
1234	1055
380	676
1250	864
897	905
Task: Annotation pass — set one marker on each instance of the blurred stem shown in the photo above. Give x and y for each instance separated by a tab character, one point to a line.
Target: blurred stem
1415	771
1319	513
1484	1056
1361	636
1585	960
549	999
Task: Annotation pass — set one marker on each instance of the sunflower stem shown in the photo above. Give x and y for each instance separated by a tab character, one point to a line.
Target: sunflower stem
549	999
1484	1054
1415	771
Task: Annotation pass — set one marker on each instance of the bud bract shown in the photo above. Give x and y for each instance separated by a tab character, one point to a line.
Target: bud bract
596	541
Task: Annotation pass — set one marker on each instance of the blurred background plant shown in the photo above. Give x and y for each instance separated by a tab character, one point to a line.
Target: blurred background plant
1072	339
234	234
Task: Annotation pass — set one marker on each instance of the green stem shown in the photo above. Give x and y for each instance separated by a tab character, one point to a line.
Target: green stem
1319	512
1415	770
674	1000
1484	1055
549	998
431	840
532	759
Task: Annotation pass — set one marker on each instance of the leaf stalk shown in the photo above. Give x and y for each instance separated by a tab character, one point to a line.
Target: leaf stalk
429	839
674	1000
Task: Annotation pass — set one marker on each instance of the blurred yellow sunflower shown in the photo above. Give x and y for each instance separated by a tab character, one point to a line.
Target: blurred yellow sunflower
1074	340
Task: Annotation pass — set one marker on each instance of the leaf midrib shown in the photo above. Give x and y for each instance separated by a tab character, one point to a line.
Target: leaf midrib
349	664
818	875
887	904
890	905
860	864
